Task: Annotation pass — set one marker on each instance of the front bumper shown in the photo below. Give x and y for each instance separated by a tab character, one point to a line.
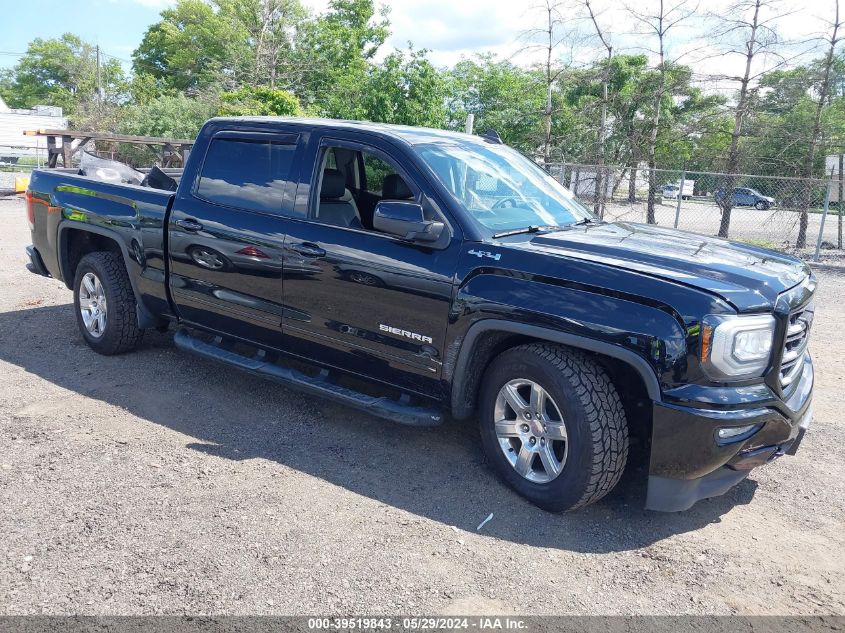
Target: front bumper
688	462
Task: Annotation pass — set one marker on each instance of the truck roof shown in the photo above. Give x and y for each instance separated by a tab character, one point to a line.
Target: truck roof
407	133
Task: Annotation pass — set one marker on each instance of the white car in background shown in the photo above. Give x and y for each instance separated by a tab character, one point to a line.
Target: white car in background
672	189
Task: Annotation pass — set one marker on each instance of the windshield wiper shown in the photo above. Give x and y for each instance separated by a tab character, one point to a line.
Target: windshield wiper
526	229
586	221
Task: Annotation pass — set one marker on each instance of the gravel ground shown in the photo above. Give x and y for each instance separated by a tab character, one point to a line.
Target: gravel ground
159	483
773	228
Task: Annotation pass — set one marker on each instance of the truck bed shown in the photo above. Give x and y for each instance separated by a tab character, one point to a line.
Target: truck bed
136	214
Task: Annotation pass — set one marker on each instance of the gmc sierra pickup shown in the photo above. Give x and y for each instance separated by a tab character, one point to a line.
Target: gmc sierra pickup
415	273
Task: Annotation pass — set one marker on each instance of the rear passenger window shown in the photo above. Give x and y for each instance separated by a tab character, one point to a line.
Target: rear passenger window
246	173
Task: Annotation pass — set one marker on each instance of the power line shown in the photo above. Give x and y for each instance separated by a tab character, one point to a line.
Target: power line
120	59
102	53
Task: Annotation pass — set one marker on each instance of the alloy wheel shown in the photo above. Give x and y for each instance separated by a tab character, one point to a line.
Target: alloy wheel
531	430
92	305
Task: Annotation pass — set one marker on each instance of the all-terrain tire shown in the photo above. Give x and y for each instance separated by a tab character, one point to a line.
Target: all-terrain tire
121	332
592	413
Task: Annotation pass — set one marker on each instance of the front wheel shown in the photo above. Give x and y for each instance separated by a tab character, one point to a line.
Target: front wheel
105	304
761	206
553	426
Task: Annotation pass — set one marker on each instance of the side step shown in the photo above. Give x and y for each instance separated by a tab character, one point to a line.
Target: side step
395	410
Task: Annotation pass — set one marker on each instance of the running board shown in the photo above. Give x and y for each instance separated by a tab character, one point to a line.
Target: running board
383	407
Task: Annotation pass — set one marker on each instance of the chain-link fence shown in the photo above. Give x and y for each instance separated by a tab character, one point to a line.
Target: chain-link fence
764	210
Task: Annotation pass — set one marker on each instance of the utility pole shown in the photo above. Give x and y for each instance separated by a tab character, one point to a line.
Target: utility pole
601	177
840	199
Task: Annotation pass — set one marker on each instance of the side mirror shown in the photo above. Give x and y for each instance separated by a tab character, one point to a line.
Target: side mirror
406	220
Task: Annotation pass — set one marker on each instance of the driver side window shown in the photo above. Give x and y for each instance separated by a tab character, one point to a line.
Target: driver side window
351	182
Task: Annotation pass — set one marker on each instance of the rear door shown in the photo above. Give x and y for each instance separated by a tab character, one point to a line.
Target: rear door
361	300
226	235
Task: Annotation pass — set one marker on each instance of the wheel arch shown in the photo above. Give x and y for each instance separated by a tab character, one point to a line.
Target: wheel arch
488	338
75	240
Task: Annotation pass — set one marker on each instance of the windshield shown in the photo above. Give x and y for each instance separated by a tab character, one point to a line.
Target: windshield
501	188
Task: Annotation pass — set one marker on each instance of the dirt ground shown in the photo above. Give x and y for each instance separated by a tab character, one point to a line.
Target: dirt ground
158	483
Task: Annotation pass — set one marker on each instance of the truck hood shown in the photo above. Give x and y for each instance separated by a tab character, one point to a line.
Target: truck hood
748	277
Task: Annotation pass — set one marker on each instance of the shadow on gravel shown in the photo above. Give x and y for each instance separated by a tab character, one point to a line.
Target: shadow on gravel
434	473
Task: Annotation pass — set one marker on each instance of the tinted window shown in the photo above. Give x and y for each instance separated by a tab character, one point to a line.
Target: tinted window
375	170
249	174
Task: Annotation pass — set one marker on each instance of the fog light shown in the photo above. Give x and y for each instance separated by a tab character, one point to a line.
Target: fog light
736	433
807	418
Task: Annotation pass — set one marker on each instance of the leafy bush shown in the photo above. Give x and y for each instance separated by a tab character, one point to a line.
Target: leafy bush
168	116
258	101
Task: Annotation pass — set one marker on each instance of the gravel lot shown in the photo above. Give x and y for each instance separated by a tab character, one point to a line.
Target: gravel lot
773	228
159	483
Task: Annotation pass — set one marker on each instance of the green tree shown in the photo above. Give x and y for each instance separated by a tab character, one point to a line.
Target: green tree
168	116
62	72
143	88
690	116
271	29
192	48
335	53
500	96
258	101
407	89
782	89
632	85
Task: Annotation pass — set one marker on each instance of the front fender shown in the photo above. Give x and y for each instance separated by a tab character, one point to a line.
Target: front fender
648	337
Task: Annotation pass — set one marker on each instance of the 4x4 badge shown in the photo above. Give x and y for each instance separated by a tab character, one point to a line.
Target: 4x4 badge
497	256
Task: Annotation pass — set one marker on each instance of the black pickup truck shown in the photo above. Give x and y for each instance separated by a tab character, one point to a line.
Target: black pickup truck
417	273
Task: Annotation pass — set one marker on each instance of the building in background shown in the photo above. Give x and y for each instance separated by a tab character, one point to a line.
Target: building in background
13	144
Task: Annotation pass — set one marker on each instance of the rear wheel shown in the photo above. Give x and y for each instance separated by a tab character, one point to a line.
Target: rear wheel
553	426
105	304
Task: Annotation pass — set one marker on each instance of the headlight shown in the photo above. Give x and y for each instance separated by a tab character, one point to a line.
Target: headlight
736	347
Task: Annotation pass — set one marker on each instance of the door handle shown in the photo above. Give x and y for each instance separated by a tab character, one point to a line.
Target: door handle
188	224
309	250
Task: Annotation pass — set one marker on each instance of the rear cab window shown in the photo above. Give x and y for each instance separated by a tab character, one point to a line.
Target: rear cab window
253	172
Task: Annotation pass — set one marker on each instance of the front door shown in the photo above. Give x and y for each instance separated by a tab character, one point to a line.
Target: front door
358	299
226	236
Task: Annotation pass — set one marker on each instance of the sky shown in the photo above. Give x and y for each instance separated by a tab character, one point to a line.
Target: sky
449	29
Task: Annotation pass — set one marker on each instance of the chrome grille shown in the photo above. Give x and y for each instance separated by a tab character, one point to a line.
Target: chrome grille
795	346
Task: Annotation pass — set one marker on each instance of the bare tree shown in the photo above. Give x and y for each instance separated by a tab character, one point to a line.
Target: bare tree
270	24
746	31
605	41
550	38
659	23
832	40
